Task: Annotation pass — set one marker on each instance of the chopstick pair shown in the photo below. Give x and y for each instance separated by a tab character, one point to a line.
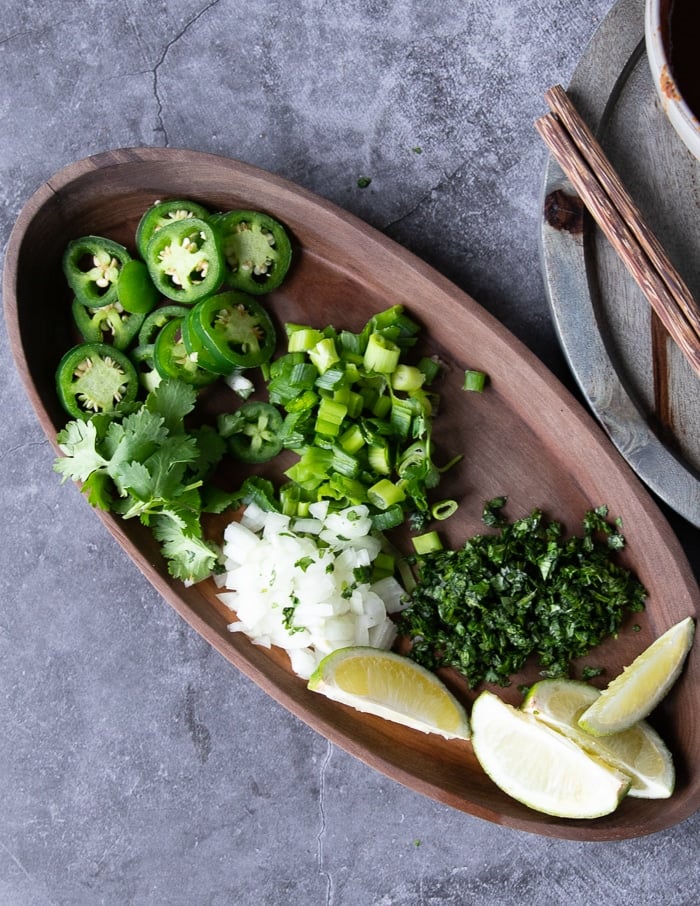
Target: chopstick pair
582	159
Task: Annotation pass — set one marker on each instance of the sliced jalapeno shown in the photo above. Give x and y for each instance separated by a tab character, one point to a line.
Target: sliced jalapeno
257	250
199	352
91	266
184	260
163	212
106	324
172	359
135	289
252	432
95	377
236	328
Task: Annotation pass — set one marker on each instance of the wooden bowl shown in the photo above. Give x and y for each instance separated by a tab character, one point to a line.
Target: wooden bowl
525	437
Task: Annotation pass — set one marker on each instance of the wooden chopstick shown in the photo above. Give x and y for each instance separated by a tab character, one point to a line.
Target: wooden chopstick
580	156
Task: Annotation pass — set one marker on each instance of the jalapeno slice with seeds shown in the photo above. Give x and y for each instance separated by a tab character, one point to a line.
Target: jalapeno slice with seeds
106	324
163	212
91	266
172	359
199	352
252	432
257	250
235	327
184	260
95	378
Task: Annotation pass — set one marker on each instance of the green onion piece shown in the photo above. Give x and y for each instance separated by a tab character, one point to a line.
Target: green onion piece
344	463
347	491
332	379
350	345
330	415
300	338
352	439
349	398
303	402
324	354
384	493
474	380
444	509
402	412
388	519
427	543
381	355
430	366
311	469
384	564
379	457
381	406
407	378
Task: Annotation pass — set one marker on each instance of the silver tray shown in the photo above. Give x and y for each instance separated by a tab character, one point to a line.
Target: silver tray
632	376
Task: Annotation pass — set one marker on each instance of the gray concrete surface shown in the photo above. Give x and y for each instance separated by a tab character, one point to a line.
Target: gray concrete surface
131	771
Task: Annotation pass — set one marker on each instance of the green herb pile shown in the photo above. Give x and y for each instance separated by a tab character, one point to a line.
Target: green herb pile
524	591
145	463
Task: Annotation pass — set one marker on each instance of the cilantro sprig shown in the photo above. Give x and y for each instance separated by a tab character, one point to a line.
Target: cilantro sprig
146	464
522	592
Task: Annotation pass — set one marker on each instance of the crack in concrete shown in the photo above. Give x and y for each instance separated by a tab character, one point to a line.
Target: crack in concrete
322	829
160	124
446	178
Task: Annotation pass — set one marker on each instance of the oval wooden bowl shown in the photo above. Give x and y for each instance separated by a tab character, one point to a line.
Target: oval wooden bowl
525	437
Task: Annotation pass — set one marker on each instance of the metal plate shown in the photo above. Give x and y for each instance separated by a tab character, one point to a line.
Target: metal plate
633	377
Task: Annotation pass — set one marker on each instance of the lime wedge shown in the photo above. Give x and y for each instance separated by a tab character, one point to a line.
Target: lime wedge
539	766
635	693
391	686
638	752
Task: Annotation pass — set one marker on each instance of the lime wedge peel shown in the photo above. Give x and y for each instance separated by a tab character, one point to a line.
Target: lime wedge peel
393	687
539	766
638	752
634	694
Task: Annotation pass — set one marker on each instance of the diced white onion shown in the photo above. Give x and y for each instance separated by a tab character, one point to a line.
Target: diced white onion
293	583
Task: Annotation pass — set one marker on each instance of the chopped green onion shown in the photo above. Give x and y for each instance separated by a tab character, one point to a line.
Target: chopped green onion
301	339
407	378
444	509
384	493
381	355
430	368
427	543
324	354
474	380
388	519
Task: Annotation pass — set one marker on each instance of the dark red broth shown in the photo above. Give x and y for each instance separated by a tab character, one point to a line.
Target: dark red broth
683	42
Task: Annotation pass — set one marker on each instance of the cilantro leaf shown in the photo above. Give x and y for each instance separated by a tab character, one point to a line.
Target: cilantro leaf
190	557
147	464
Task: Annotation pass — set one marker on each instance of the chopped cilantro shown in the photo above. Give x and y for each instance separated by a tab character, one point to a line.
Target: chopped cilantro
146	464
524	591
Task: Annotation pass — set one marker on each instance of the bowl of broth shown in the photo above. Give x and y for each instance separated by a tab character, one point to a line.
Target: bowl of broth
672	36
